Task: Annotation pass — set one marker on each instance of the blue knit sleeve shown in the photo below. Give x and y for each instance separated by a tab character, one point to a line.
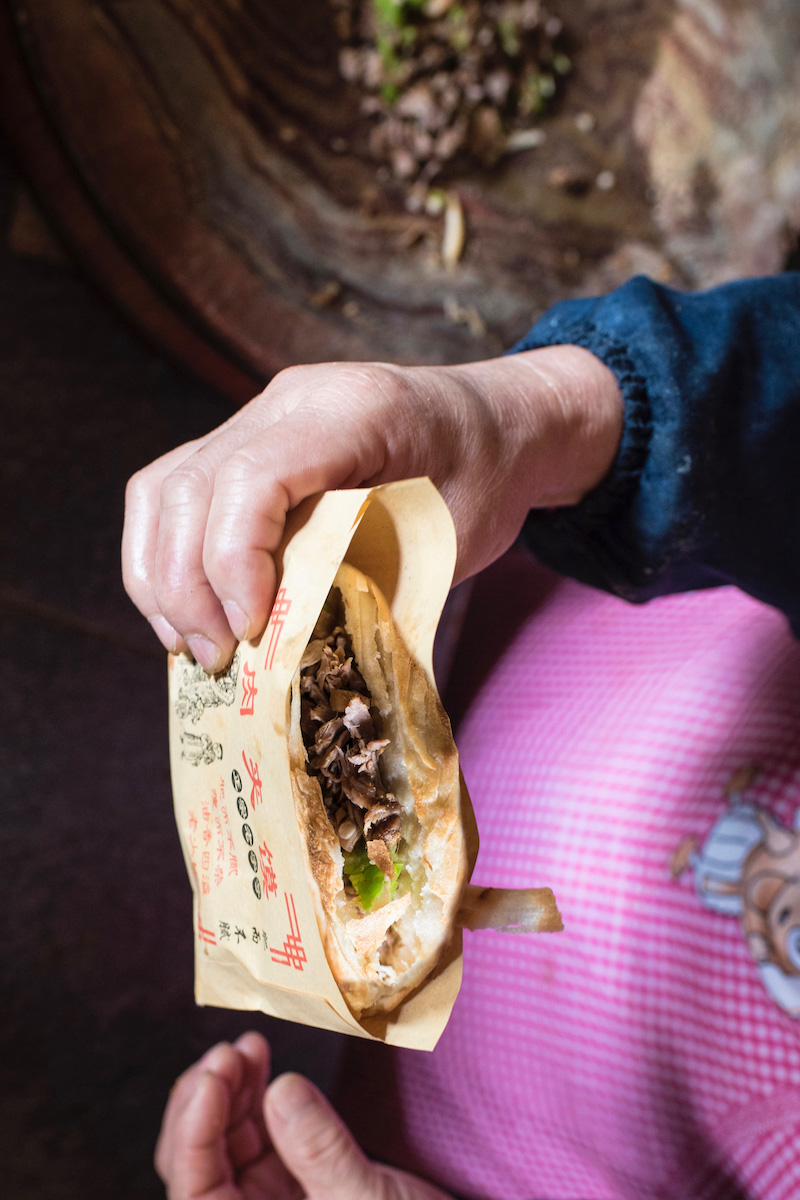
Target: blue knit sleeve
705	488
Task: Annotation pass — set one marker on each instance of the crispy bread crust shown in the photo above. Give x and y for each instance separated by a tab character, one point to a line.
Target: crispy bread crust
420	766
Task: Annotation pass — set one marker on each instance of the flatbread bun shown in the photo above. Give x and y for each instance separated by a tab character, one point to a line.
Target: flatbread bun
379	957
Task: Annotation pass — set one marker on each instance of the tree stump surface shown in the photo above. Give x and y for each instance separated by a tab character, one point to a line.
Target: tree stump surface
206	162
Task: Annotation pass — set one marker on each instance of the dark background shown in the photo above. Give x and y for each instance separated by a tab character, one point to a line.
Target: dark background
96	1007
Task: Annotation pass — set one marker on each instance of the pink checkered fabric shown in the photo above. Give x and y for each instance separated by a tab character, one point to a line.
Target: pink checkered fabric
638	1054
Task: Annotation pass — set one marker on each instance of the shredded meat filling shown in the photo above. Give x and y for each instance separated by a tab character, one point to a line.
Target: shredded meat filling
343	751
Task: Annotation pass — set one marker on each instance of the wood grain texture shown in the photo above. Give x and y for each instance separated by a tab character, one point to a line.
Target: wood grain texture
202	132
91	241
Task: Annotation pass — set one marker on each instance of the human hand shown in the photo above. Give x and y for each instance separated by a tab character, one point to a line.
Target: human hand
497	438
224	1138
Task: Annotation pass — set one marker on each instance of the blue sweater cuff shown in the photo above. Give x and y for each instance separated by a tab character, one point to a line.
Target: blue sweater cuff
617	488
705	487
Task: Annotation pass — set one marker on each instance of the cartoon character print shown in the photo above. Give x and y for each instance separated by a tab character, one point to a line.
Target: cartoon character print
199	748
749	867
199	691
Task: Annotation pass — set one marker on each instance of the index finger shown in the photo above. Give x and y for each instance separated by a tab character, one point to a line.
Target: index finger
247	1132
143	505
225	1064
307	452
198	1163
140	538
149	494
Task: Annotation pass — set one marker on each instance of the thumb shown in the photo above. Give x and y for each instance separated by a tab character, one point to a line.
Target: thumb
315	1144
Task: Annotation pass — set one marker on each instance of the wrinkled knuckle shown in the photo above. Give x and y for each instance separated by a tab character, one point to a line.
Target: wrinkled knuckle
237	475
290	375
184	484
372	378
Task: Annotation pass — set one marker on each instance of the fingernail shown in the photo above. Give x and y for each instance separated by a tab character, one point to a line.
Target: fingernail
238	620
292	1097
204	651
165	633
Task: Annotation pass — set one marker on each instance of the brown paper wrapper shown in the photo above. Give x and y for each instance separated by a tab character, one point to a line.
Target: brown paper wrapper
256	937
257	943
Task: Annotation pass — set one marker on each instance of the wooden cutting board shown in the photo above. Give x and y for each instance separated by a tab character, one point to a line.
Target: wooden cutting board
206	163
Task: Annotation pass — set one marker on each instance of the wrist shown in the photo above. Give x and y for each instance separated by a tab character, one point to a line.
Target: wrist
565	409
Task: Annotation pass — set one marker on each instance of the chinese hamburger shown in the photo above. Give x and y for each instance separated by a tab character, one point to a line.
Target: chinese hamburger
377	792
